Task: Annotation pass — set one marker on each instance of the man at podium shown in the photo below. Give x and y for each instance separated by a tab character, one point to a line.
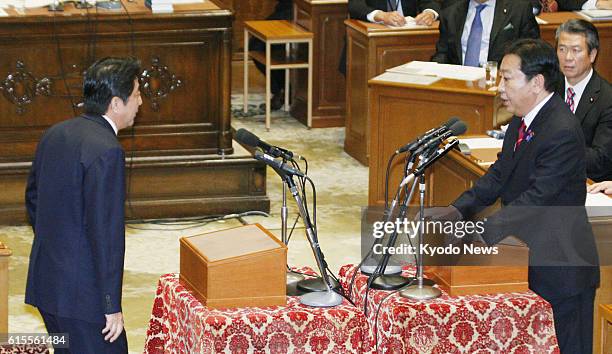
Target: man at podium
540	177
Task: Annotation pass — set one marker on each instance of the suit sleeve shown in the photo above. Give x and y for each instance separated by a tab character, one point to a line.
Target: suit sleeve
555	166
104	196
570	5
441	55
599	154
31	195
485	192
430	4
529	26
359	9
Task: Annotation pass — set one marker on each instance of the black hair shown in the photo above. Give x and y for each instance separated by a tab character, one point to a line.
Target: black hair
537	58
108	78
585	28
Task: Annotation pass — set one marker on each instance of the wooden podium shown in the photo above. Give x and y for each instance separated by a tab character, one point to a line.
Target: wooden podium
239	267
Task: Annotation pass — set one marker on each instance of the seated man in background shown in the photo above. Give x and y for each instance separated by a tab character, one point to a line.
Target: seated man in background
393	12
473	32
588	95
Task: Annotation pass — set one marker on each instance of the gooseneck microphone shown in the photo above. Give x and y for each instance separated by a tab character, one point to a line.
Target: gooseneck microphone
247	138
415	144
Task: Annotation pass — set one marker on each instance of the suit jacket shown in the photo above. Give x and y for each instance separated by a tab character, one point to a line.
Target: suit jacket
359	9
75	198
570	5
513	19
542	191
594	112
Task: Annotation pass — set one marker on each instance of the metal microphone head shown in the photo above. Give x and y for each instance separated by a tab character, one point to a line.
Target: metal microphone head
458	128
247	138
451	121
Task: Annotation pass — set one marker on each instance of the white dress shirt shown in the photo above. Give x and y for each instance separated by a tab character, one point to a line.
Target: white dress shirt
399	9
529	117
590	5
113	125
486	15
578	89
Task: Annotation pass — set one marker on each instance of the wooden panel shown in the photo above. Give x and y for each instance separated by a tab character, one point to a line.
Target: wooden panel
326	22
400	114
5	253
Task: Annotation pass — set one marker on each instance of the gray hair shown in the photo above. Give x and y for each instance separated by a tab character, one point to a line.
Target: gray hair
577	26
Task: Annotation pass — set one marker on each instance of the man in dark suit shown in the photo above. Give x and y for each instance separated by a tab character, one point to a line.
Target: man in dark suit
75	199
391	13
587	94
473	32
540	177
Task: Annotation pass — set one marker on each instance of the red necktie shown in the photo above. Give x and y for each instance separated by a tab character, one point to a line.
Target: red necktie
549	5
521	135
569	99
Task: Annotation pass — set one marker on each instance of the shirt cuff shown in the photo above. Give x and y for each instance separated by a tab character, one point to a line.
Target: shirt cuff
590	5
436	14
373	14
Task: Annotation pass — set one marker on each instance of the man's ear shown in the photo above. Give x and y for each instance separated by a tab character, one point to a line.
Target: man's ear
538	83
593	55
115	104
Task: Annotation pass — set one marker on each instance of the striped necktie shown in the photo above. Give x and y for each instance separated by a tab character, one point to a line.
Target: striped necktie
521	135
569	99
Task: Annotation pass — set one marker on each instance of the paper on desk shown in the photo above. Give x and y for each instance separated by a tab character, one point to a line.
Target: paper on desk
3	13
482	143
448	71
406	78
596	14
540	21
598	204
410	24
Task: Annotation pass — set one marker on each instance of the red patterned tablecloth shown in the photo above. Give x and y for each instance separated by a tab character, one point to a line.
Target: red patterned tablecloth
181	324
23	349
497	323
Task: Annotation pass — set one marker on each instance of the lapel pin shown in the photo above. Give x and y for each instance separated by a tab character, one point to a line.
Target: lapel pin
505	11
591	99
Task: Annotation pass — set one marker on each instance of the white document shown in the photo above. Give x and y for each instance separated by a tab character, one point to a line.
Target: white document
540	21
596	14
406	78
447	71
3	13
482	143
410	24
598	204
29	4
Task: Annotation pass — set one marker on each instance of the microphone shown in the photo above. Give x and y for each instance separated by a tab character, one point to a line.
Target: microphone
247	138
280	167
428	135
457	128
421	168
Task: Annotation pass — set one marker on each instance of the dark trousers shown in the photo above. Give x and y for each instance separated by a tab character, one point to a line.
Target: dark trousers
84	337
574	322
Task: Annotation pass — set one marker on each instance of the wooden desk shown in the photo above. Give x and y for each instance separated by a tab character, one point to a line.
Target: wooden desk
325	19
181	141
5	253
400	112
373	48
455	173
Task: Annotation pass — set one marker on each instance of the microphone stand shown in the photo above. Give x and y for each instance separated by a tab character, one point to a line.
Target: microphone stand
329	297
421	290
292	277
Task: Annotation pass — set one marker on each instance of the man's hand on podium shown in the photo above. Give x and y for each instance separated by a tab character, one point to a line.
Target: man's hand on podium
392	18
425	18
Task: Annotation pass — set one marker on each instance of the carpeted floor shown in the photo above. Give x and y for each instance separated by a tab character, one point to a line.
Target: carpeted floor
153	250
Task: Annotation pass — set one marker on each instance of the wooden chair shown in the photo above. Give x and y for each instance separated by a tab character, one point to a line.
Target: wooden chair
277	32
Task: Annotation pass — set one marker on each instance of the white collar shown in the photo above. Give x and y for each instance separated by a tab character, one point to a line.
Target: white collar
529	117
110	121
580	86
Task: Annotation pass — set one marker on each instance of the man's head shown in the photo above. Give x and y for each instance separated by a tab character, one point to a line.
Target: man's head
111	88
529	73
577	46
